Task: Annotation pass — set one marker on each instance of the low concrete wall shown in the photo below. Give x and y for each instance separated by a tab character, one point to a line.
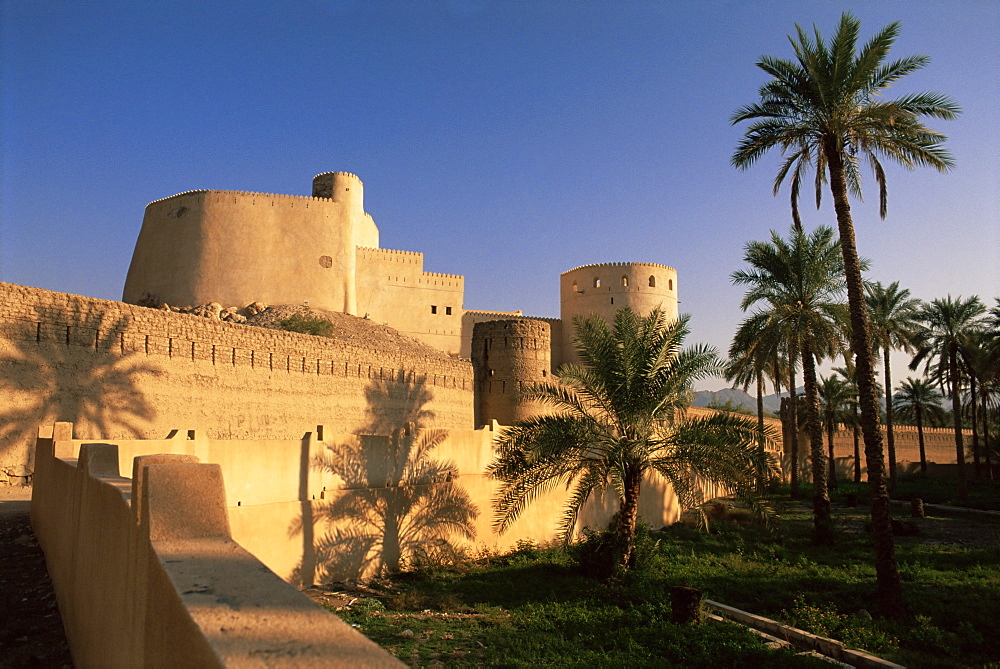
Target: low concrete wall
147	573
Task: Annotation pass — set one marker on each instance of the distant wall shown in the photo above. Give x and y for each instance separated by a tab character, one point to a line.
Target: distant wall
939	448
122	371
236	247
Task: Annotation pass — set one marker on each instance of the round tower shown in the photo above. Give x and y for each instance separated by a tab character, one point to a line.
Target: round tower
507	357
604	288
342	187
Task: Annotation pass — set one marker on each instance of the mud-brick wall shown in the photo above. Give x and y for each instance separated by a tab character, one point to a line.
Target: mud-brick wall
118	371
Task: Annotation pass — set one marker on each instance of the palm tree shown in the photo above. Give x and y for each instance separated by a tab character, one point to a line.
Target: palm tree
894	318
836	396
981	363
801	282
846	375
946	324
916	399
825	110
752	356
620	416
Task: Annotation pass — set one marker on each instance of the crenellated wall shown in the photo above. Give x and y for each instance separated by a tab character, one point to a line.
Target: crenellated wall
122	371
394	289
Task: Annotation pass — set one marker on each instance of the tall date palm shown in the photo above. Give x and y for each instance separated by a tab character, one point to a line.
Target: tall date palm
826	111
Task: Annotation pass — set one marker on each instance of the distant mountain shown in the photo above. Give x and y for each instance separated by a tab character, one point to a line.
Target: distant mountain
739	398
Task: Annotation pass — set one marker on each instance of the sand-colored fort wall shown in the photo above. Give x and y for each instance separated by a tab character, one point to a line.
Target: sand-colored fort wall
236	247
146	571
393	289
121	371
380	501
939	449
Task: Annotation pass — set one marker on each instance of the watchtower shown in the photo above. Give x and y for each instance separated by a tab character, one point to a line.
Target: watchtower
604	288
509	356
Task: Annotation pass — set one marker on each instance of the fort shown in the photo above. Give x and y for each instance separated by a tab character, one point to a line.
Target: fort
237	247
182	456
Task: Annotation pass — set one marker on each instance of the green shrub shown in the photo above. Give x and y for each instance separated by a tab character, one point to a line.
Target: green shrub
307	324
854	631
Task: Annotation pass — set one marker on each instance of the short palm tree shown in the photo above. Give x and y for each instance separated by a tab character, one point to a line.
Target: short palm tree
766	331
619	417
835	396
826	111
917	400
846	375
751	355
894	319
800	283
946	325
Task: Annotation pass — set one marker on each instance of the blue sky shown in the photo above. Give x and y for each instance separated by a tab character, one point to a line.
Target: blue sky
507	141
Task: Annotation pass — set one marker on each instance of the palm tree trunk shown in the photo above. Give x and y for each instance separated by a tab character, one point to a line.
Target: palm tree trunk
956	409
822	522
890	589
857	447
760	400
974	418
793	421
920	439
628	515
986	437
830	426
890	439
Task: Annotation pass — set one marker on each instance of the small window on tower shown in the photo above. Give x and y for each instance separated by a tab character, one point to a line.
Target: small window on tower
434	309
652	281
576	287
597	282
625	282
670	284
447	311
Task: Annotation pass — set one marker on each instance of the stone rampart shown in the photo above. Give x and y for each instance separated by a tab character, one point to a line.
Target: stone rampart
146	572
939	449
122	371
327	507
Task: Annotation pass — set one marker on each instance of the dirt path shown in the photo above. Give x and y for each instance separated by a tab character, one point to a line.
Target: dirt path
31	632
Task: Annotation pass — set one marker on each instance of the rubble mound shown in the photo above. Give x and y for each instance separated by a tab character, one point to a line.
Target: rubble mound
357	331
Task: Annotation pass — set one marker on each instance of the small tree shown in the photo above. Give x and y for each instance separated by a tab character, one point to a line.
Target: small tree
619	417
916	399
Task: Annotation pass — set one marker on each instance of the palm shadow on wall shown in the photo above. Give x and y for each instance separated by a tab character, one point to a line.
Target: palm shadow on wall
79	374
398	503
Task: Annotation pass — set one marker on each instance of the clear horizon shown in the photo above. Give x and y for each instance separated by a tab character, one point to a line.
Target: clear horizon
508	142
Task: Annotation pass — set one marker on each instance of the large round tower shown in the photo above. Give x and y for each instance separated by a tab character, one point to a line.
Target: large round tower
508	356
604	288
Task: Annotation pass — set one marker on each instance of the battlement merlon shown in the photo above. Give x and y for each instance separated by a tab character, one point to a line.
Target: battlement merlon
619	264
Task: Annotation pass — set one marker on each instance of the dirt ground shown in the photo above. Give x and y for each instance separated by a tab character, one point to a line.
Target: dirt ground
31	632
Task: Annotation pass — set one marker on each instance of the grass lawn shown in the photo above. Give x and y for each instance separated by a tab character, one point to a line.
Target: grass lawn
535	607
